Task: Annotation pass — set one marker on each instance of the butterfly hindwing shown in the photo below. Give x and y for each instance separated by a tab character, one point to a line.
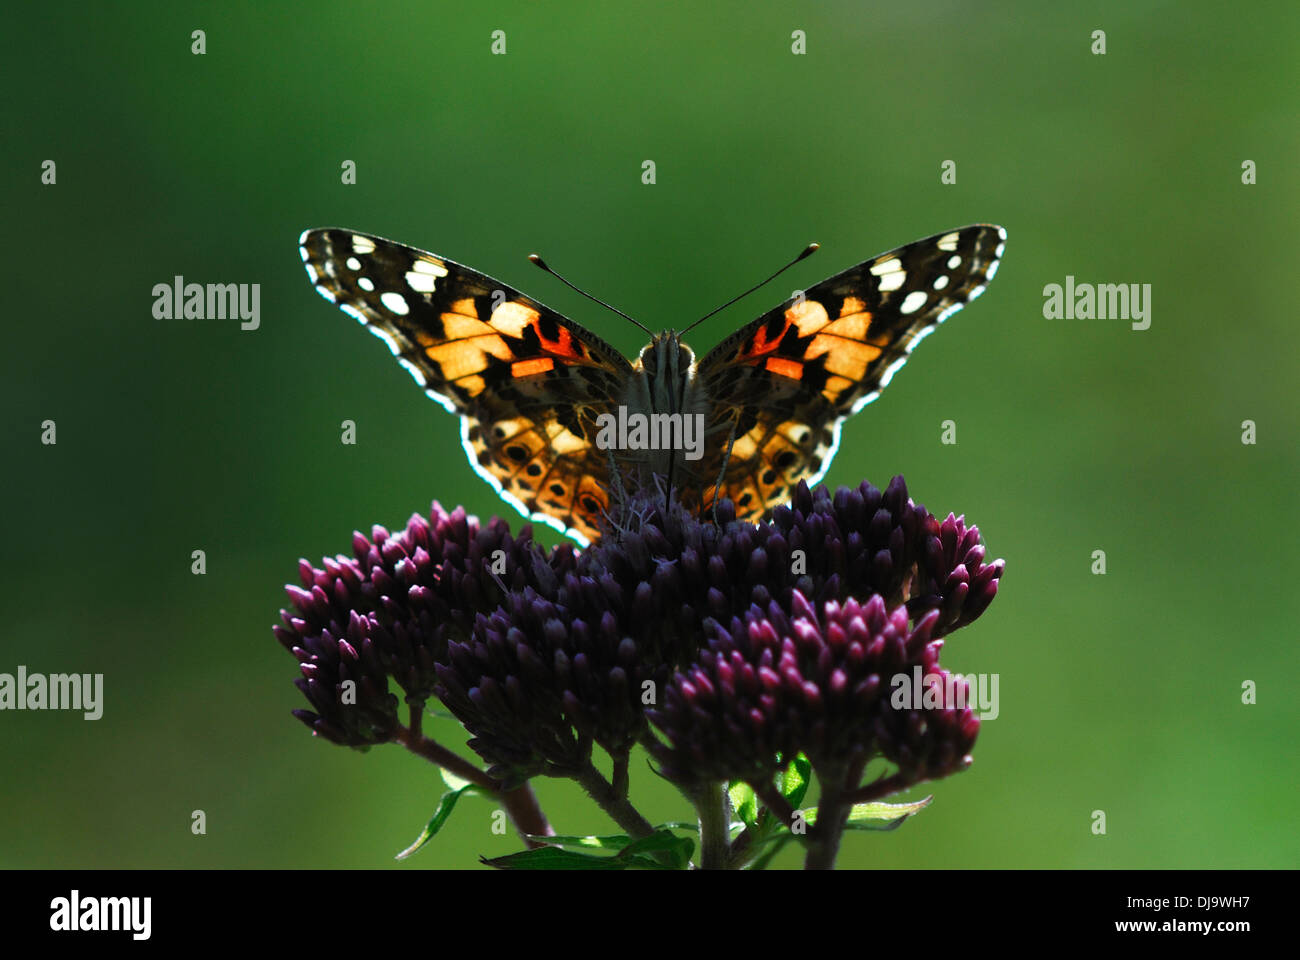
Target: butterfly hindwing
527	383
784	384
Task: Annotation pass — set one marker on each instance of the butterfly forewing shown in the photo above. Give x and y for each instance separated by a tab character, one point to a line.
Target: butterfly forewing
527	383
783	385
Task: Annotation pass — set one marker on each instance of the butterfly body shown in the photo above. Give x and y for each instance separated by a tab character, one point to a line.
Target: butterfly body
555	418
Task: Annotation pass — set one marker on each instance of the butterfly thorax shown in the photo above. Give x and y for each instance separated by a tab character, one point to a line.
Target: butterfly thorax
666	369
664	383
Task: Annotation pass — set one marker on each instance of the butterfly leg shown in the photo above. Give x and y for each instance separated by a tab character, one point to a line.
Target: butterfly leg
618	494
726	457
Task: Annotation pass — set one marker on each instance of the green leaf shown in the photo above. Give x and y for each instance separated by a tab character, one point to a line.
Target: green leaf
638	854
678	848
615	841
436	822
794	783
555	858
868	816
744	801
451	780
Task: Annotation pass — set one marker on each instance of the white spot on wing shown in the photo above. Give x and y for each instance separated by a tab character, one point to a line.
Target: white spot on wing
913	302
362	244
353	263
366	284
892	281
940	282
948	242
420	281
954	262
891	274
395	302
354	313
430	267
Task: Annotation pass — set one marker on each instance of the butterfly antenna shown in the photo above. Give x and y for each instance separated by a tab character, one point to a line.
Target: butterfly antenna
542	263
808	251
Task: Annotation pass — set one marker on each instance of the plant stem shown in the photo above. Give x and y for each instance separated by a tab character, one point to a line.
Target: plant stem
620	773
777	804
833	811
824	842
612	802
739	855
417	719
435	752
520	803
881	787
714	811
526	814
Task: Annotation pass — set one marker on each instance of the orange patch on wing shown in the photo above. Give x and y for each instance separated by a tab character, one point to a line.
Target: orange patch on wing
786	368
563	345
465	308
808	317
512	318
851	306
459	358
853	326
851	359
835	387
527	368
760	344
822	343
457	326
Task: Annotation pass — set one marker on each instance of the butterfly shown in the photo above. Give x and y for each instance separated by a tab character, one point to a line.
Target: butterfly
551	414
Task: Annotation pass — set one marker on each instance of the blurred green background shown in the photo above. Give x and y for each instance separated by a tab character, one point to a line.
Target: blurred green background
1119	692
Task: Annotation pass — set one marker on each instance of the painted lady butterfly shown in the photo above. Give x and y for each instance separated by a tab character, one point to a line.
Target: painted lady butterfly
530	385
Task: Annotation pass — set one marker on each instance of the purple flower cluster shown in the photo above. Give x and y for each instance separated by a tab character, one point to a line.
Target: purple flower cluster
720	646
391	608
815	680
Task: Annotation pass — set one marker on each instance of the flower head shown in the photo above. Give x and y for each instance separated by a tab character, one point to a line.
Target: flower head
812	679
400	597
344	679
